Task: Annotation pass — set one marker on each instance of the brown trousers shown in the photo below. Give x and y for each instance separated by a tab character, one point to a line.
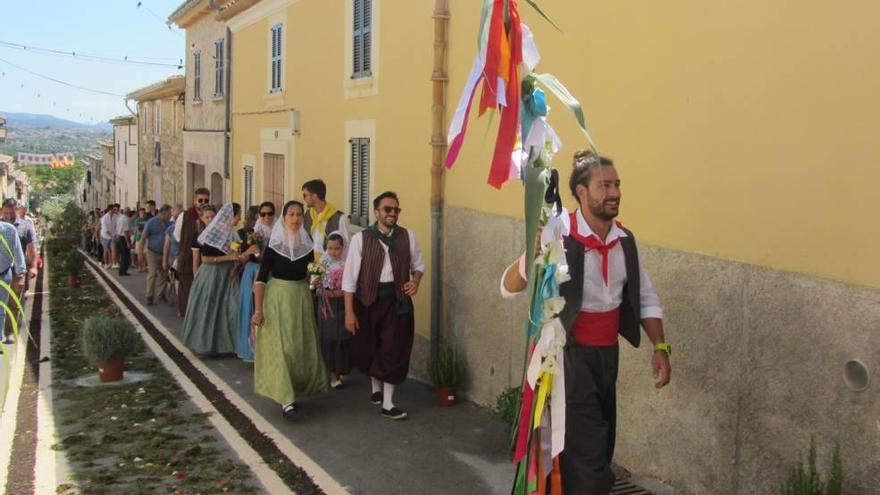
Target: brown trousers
382	346
186	281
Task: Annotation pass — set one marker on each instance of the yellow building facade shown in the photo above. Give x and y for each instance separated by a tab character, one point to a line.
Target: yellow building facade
306	127
744	142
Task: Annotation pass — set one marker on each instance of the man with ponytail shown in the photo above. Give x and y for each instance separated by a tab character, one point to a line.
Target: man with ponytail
609	294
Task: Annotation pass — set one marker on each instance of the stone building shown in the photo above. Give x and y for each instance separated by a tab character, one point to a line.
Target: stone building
206	122
160	140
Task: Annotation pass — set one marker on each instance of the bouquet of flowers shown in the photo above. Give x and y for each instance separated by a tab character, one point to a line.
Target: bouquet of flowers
256	239
316	273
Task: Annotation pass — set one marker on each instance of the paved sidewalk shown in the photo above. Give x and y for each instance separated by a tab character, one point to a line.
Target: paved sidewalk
460	449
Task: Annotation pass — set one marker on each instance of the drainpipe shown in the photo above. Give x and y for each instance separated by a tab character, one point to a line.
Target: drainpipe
228	98
439	79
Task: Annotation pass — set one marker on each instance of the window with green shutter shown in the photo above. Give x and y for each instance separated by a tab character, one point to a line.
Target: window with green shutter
359	205
275	59
362	39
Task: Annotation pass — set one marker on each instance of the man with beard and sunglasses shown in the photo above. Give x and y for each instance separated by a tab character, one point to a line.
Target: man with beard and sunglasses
185	232
382	274
609	294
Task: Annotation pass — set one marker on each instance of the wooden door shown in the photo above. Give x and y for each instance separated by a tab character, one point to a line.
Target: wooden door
273	179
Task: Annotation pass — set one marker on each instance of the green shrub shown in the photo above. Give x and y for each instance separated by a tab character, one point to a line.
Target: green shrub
447	370
808	481
105	338
507	405
73	264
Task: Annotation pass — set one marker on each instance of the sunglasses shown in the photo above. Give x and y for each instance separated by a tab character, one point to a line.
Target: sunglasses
267	213
202	201
392	209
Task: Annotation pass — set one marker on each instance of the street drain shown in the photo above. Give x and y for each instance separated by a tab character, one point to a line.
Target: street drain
624	487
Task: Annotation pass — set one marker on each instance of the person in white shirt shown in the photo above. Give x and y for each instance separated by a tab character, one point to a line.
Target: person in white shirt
108	233
123	241
609	294
382	274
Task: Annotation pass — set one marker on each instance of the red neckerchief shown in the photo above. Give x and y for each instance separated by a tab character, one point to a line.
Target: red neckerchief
593	242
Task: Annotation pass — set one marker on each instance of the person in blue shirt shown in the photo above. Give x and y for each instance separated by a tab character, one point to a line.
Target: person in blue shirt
153	242
12	269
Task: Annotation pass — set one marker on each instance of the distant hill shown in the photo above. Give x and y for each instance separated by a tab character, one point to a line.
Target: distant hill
41	121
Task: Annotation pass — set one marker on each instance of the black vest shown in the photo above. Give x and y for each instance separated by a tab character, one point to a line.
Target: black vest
573	290
332	223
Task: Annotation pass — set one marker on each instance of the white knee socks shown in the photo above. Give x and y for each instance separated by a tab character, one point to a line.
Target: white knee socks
377	384
388	396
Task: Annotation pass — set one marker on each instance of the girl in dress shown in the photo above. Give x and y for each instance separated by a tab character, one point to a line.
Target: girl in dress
286	348
331	314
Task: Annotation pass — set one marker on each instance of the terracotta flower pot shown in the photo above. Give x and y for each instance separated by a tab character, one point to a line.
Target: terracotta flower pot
73	281
112	370
445	396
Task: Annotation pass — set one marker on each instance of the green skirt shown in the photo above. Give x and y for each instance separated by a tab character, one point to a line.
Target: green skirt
287	350
212	311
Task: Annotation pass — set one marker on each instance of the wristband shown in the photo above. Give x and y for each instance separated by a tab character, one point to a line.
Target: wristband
663	346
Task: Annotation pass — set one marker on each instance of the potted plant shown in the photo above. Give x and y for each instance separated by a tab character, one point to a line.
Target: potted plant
447	372
73	265
107	342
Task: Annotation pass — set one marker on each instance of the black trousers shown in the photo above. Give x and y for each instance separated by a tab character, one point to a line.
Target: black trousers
590	419
124	254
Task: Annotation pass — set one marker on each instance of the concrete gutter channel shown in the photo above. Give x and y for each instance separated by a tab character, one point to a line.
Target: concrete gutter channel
339	441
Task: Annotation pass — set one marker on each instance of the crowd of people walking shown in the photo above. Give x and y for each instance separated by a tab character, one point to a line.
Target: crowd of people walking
292	290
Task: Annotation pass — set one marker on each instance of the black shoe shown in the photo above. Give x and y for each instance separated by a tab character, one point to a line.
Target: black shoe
394	413
289	411
150	302
376	398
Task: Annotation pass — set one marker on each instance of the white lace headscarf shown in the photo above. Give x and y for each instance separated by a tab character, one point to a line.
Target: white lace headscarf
221	231
292	244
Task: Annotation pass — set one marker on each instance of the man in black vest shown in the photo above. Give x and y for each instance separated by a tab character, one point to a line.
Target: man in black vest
609	294
323	218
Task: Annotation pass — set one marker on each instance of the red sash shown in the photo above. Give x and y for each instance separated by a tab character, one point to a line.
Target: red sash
596	329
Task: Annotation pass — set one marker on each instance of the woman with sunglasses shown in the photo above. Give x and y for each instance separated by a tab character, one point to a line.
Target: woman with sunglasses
244	348
287	351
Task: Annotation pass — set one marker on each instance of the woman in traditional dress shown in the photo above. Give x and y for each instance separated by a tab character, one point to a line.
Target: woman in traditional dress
244	347
210	323
287	352
331	313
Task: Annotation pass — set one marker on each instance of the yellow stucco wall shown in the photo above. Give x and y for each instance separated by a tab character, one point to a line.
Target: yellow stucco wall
314	84
744	131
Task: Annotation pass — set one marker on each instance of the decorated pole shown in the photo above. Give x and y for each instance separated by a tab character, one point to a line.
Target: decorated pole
503	71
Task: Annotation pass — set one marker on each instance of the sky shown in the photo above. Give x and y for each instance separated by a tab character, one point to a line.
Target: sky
106	28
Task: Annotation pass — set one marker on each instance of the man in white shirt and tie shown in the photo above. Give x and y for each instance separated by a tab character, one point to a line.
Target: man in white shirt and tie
609	294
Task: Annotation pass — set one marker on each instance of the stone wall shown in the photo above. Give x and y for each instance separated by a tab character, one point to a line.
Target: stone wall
758	362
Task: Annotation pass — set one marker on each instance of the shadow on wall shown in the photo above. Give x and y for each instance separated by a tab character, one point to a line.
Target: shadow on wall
758	363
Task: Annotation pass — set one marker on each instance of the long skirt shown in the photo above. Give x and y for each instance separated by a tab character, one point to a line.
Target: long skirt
243	345
334	336
287	354
211	314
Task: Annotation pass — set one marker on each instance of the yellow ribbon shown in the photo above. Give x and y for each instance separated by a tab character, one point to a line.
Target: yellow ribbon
319	220
543	391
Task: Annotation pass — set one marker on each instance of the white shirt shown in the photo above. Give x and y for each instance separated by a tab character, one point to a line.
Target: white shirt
123	224
599	297
353	261
108	226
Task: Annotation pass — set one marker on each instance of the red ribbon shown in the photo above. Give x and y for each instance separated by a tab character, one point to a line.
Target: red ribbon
593	242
